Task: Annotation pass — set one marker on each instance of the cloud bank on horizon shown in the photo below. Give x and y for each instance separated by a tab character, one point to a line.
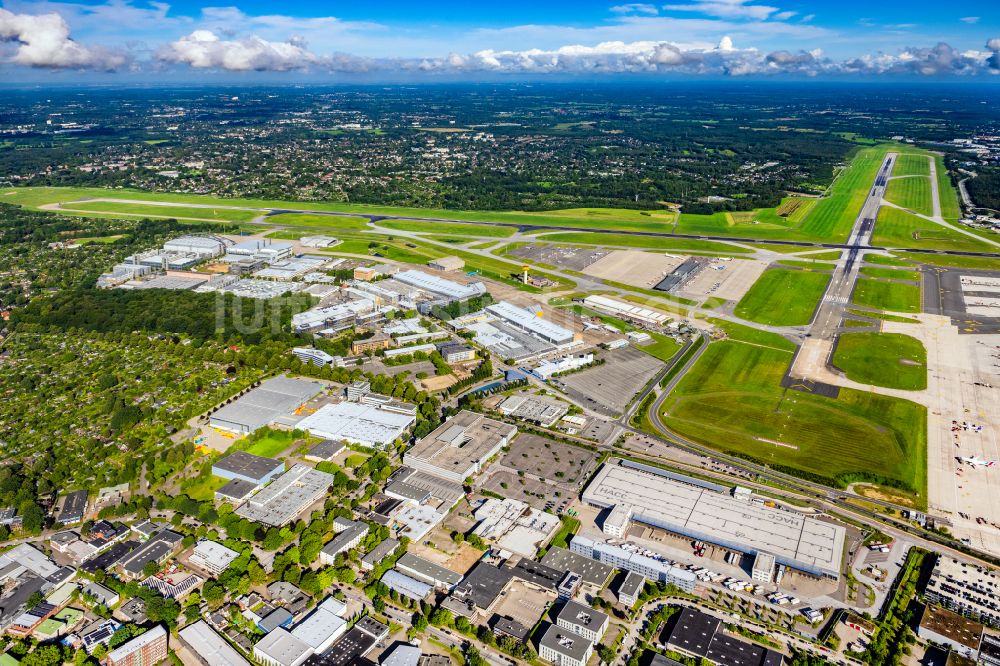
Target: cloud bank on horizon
40	36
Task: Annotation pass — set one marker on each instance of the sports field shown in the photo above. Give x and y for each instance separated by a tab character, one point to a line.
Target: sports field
732	400
911	192
892	360
884	295
783	297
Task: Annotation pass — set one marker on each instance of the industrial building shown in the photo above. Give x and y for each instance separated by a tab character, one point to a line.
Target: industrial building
444	290
534	408
287	496
700	635
960	634
209	647
248	467
280	648
321	628
626	311
337	317
73	507
212	556
531	322
368	425
965	588
593	572
460	446
562	648
631	558
704	511
236	492
260	248
324	451
446	264
274	398
515	526
408	586
204	246
157	549
563	364
427	571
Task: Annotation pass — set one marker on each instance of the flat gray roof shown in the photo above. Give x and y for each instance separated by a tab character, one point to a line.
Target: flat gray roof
248	465
427	571
460	443
237	489
273	398
796	540
565	642
591	571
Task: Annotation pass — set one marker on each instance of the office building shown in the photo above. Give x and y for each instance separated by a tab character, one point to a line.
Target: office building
143	650
582	621
562	648
629	557
346	539
212	557
630	588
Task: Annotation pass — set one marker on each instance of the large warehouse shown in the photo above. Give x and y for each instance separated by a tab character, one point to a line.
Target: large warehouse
287	496
705	512
460	446
531	322
255	409
367	425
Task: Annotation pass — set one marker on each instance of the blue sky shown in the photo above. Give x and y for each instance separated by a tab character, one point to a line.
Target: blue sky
188	40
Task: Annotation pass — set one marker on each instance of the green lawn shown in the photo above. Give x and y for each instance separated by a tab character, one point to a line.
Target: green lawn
662	347
269	446
954	261
911	164
455	229
833	216
871	258
202	487
783	297
808	265
898	228
732	400
141	210
890	273
950	210
891	296
912	192
645	242
332	222
892	360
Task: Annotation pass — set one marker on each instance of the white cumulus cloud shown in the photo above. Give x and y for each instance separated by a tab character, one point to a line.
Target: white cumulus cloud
726	9
203	49
43	40
636	8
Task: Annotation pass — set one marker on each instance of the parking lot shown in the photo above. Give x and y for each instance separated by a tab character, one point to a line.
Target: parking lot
573	258
541	472
609	388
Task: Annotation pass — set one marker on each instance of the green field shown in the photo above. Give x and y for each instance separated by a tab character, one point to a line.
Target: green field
732	400
954	261
912	192
911	164
950	209
319	222
898	228
179	212
808	265
833	216
453	228
268	446
871	258
783	297
645	242
890	273
891	296
892	360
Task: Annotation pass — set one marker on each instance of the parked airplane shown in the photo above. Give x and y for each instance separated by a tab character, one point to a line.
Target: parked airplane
976	461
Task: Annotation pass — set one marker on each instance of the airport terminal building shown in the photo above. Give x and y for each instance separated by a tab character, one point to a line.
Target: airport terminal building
708	512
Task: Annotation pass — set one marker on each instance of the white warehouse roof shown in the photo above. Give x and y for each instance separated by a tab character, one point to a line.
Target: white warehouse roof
367	425
798	541
437	285
531	322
